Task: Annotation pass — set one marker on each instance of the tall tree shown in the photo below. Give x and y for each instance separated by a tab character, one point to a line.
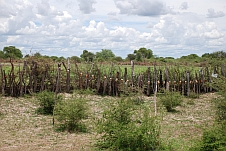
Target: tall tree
143	53
2	55
87	56
105	54
131	57
12	52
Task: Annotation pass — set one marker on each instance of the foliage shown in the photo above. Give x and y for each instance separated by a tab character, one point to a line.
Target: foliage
70	114
219	85
87	56
12	52
214	139
171	99
76	59
46	102
118	59
131	57
2	55
144	53
217	54
123	127
105	54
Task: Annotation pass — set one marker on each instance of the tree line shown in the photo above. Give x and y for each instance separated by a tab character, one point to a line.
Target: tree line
140	55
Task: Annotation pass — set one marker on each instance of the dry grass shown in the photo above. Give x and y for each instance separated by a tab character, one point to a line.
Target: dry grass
22	129
183	128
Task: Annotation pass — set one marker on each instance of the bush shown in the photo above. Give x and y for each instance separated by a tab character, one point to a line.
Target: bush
122	128
214	139
171	100
70	114
46	102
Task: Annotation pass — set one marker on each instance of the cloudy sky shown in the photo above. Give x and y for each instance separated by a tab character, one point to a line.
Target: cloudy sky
67	27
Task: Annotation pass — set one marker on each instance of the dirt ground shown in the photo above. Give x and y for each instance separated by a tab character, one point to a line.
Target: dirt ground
21	128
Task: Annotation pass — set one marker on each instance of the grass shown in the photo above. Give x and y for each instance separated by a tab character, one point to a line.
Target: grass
22	129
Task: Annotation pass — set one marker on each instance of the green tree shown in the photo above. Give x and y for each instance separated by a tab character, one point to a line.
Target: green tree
87	56
193	56
143	53
117	58
139	56
105	54
2	55
76	58
54	58
131	57
12	52
37	54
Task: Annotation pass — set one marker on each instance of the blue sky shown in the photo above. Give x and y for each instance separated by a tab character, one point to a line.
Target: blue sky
66	28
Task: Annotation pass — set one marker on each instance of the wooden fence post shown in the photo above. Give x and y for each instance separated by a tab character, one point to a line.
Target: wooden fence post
3	82
223	70
167	79
148	82
188	82
133	73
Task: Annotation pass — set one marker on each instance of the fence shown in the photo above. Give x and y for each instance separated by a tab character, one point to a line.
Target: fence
35	76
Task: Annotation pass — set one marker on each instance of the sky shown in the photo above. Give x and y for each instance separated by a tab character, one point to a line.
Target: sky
170	28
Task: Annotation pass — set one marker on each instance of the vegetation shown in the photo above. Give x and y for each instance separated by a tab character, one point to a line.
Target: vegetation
47	101
214	138
70	114
122	123
171	99
11	52
127	128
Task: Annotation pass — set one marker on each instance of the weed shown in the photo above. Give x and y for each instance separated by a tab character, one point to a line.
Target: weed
122	129
46	101
171	100
70	114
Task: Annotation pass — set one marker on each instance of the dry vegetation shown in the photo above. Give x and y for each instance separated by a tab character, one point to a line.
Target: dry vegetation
21	128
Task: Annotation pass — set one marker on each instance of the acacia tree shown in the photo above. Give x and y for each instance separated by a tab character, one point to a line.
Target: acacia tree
143	53
105	54
12	52
2	55
87	56
131	57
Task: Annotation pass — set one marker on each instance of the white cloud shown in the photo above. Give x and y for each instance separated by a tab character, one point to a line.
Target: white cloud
184	6
142	7
57	29
213	14
86	6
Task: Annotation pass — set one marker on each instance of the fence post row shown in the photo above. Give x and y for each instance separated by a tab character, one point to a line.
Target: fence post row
34	77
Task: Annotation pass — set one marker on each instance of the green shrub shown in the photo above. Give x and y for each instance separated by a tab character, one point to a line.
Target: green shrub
71	113
46	102
171	100
214	139
124	127
219	85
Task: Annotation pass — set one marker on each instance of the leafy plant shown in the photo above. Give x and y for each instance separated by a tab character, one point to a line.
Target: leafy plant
171	99
122	128
46	102
214	139
71	113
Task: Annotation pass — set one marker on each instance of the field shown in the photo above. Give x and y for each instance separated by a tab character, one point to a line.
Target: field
23	129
